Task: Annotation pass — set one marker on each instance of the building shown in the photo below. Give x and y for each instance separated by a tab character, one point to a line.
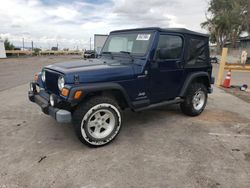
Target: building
242	43
99	41
245	42
2	50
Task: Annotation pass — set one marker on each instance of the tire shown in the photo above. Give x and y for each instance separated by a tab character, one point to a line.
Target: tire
97	121
195	100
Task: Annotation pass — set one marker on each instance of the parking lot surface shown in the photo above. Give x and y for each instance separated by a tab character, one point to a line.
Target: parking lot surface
156	148
18	71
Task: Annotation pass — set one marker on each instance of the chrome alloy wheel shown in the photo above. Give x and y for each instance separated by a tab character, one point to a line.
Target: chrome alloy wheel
198	100
101	124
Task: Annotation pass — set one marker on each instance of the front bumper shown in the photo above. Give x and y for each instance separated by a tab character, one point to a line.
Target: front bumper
42	99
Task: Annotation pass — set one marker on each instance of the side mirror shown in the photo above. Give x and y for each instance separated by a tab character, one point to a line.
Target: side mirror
163	53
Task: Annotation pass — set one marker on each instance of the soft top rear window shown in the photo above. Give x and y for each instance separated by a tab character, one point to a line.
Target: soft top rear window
197	52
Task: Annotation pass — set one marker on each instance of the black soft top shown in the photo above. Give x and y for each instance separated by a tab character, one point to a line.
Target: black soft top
171	30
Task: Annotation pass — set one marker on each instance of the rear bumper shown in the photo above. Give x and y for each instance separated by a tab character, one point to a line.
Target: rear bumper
212	80
210	89
42	99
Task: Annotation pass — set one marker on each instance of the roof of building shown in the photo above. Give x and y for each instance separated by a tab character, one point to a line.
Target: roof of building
101	35
172	30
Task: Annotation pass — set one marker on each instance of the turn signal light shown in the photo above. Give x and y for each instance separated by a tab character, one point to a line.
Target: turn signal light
65	92
77	94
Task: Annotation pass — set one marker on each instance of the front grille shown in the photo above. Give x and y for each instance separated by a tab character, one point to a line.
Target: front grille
51	81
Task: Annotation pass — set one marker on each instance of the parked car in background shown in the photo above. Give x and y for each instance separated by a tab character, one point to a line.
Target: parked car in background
248	59
214	60
89	54
54	48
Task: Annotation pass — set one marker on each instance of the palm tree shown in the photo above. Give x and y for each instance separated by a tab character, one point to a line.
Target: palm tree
226	20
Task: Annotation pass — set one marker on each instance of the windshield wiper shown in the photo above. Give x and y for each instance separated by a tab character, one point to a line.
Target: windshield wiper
110	53
129	54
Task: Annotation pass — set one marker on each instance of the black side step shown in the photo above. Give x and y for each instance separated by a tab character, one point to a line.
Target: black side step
175	101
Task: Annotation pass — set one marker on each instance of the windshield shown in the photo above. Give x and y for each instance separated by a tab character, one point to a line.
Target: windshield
134	43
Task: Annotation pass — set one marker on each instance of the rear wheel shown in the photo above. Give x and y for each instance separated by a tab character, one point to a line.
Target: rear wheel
195	100
97	121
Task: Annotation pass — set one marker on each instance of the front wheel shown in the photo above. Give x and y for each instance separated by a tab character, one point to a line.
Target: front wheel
97	121
195	100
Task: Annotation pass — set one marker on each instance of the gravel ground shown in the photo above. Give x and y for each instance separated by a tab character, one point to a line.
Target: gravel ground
235	90
237	80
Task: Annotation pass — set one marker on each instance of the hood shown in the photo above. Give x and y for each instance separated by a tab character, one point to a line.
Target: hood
94	70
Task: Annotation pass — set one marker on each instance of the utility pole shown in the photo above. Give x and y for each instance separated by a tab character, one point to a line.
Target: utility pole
90	43
32	46
23	43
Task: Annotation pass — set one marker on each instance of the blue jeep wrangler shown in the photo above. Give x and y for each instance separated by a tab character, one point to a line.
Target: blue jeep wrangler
138	69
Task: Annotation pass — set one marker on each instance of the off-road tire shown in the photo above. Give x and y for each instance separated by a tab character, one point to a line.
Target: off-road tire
187	107
86	110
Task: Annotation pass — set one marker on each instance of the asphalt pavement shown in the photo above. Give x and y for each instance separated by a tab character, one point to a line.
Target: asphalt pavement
156	148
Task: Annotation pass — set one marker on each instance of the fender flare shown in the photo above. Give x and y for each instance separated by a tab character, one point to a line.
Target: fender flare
95	87
190	78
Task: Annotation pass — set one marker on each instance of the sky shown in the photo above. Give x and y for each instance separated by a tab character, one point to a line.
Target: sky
71	24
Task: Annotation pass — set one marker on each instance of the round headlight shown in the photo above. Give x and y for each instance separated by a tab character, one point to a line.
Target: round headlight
61	82
43	75
51	100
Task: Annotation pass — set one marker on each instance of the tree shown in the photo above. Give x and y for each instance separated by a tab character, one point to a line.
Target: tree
226	19
8	45
246	13
36	51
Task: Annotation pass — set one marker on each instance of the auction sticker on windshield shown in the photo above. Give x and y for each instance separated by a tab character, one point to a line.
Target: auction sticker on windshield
143	37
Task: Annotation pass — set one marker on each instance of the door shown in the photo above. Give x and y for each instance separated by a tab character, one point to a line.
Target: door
166	74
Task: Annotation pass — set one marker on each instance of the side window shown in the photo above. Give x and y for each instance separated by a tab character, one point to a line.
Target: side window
169	47
197	52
